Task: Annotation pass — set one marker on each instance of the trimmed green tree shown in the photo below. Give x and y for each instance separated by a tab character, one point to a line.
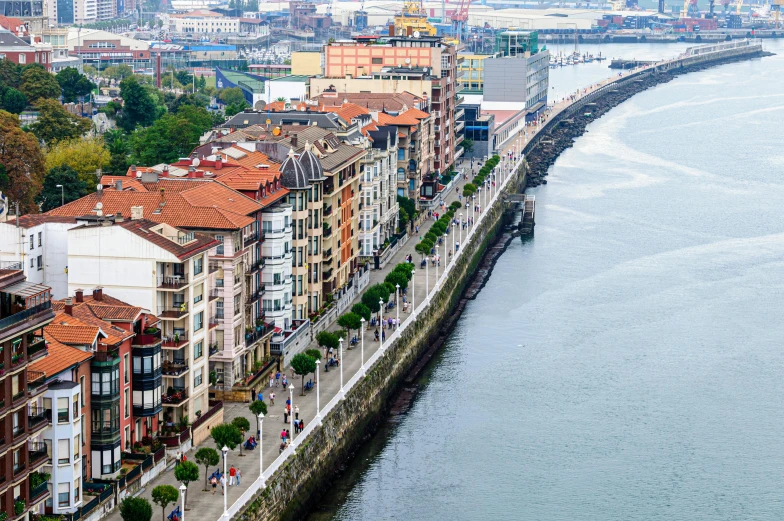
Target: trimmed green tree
327	340
208	457
350	321
303	364
243	425
135	509
163	496
186	472
258	407
362	310
226	435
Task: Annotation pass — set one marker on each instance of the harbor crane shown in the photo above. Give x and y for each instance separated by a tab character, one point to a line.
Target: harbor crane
460	17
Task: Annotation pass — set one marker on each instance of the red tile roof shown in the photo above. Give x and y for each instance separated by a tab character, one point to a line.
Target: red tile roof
59	358
141	227
30	220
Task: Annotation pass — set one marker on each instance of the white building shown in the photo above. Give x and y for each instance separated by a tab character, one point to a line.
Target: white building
40	244
163	269
203	22
378	214
276	273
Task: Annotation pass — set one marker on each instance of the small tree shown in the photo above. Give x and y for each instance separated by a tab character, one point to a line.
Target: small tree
207	457
327	340
303	364
397	278
135	509
243	425
313	353
258	407
186	472
163	495
362	310
350	321
226	435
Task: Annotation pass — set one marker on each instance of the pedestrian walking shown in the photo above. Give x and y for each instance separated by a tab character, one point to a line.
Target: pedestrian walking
214	483
253	395
283	435
239	476
177	461
296	412
272	381
223	484
272	398
288	434
232	475
277	378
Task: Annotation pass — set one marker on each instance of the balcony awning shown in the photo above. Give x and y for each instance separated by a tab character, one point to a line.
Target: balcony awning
26	289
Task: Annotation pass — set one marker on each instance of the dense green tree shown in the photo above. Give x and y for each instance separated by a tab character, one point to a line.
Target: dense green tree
468	146
234	109
72	189
135	509
350	321
373	294
226	435
139	107
14	101
73	84
21	156
56	124
303	364
170	137
258	407
163	496
232	96
10	73
202	82
117	72
37	84
397	278
326	339
362	310
243	425
186	472
117	144
208	457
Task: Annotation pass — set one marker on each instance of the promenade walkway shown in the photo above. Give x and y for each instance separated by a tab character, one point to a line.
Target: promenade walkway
204	506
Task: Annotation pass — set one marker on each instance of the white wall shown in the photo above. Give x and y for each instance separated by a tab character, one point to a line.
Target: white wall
286	89
65	473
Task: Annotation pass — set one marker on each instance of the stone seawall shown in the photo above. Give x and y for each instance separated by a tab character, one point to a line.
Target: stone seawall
304	477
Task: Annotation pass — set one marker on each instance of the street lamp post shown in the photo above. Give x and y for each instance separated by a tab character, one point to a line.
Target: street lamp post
427	278
291	413
62	194
183	488
461	227
413	291
446	247
397	304
340	354
225	451
318	393
437	263
261	446
454	234
362	320
381	324
473	210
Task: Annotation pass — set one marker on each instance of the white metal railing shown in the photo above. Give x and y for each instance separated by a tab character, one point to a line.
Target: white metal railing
257	485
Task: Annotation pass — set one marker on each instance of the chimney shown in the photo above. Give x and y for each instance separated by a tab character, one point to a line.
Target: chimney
218	162
80	295
137	212
118	218
391	30
133	168
294	140
118	185
69	306
98	293
149	177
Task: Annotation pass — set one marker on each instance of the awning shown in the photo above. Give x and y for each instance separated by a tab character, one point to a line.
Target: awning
26	289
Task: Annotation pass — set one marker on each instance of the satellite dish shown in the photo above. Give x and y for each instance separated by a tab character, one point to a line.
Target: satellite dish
416	34
276	131
425	69
408	61
260	105
99	206
195	162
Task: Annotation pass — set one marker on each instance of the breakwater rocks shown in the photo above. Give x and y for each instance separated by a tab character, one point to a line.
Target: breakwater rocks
572	122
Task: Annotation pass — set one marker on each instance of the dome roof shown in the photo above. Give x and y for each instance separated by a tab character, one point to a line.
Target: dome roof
311	164
292	175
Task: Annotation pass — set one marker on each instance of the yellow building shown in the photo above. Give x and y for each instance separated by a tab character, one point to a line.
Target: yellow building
305	63
470	72
412	19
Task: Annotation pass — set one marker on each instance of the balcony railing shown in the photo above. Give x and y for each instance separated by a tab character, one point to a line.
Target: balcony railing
327	211
38	416
214	293
23	315
18	396
38	491
250	238
327	231
327	253
213	322
174	369
146	339
18	431
174	312
35	381
175	341
253	297
214	349
37	348
257	333
36	451
258	263
177	397
172	281
213	267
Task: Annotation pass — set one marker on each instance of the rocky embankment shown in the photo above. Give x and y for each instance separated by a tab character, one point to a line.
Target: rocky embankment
572	126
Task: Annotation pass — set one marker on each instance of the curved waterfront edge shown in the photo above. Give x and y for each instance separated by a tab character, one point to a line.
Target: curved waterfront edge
301	479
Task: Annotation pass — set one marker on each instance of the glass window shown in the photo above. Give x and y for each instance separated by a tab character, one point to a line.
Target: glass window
63	452
63	491
197	378
198	265
198	321
198	349
62	410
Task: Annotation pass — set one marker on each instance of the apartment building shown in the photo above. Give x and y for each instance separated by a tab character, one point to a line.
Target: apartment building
425	64
232	292
25	308
39	243
66	404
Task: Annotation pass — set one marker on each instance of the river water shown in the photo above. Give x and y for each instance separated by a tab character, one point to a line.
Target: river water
626	362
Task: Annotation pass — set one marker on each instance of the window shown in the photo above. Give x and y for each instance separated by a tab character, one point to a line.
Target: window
198	321
81	389
39	238
32	262
84	438
62	410
198	350
219	238
63	452
377	61
198	265
126	369
127	403
76	490
63	491
31	242
76	446
197	378
40	261
75	407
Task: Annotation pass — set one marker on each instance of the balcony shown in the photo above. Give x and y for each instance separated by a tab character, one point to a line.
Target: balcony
327	231
173	313
214	294
24	314
18	431
38	417
214	349
19	467
36	382
37	349
176	397
326	274
258	333
250	238
36	452
18	396
326	253
459	99
172	281
175	341
253	297
213	267
174	368
327	211
255	266
38	492
147	339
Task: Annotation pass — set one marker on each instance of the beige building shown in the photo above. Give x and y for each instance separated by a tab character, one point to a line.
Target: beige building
304	63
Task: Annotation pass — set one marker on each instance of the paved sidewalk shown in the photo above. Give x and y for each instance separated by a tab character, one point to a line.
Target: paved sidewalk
205	506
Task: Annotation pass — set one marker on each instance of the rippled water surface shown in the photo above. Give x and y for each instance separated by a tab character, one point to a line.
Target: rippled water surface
626	362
